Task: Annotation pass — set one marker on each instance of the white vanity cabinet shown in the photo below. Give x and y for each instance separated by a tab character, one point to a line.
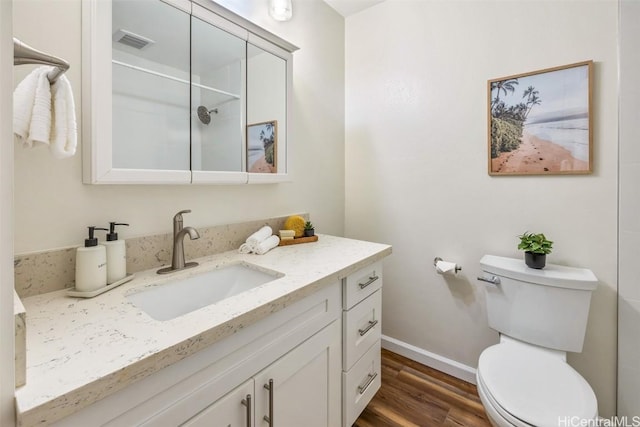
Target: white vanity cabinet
297	348
303	389
314	331
314	363
233	410
361	339
293	391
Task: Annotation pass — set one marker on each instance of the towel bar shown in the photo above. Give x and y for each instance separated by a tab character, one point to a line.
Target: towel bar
25	54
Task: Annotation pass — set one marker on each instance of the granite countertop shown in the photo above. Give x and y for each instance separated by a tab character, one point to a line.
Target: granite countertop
82	350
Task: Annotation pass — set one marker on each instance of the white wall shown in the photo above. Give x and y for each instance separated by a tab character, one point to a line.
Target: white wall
629	269
53	207
7	331
416	162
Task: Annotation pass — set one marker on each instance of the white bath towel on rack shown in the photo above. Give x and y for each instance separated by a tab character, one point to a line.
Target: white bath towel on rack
45	113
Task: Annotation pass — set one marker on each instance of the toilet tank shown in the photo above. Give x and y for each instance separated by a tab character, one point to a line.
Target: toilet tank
547	307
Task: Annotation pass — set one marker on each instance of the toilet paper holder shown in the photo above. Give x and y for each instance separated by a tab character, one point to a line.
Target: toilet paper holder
435	263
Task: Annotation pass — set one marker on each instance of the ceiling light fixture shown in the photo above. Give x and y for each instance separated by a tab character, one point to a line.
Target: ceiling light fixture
280	10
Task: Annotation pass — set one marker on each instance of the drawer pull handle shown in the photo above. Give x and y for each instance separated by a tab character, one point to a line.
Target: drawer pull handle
371	324
269	418
247	402
362	388
368	282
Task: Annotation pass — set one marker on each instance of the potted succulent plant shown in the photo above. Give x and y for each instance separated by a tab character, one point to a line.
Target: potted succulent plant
535	247
308	229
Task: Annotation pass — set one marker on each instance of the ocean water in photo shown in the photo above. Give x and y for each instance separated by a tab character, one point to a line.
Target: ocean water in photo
572	134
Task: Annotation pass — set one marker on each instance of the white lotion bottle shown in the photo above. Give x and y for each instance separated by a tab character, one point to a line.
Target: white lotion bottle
116	255
91	264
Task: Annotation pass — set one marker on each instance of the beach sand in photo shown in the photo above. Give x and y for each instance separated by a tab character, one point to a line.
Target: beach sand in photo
261	166
536	155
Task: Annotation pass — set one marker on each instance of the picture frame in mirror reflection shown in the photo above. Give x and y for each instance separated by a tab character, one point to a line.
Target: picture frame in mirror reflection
262	144
540	123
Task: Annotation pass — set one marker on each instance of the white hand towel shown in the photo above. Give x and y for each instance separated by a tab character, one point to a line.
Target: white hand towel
64	135
40	126
266	245
259	236
32	108
23	97
45	113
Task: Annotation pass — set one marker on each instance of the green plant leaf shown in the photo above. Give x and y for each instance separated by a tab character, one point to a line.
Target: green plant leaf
536	243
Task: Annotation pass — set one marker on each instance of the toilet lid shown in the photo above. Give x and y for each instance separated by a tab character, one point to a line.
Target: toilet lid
535	387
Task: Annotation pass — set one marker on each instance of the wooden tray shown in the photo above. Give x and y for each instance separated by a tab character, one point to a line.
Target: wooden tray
298	240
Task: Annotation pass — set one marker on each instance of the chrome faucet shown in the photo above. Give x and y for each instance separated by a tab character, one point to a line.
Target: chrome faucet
177	260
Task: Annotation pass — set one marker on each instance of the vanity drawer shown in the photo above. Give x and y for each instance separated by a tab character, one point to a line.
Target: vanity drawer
361	284
361	327
360	384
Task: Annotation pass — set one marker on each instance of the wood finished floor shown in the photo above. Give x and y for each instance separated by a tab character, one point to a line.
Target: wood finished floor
416	395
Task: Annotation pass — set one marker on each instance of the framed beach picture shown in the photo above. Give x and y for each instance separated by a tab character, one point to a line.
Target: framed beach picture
540	123
262	141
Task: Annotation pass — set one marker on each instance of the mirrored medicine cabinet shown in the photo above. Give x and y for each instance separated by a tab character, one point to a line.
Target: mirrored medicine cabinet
180	91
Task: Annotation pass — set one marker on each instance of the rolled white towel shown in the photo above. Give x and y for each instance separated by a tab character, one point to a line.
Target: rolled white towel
245	249
259	236
266	245
255	239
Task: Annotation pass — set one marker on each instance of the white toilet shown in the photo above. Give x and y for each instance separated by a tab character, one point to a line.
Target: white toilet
540	314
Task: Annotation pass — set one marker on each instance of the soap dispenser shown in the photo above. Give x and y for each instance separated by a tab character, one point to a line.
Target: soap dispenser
91	264
116	255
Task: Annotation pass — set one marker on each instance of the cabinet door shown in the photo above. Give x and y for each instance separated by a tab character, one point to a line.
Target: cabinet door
232	410
150	86
361	328
269	89
303	387
360	384
218	70
361	284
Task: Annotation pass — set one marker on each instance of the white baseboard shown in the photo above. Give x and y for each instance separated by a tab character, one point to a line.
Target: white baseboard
432	360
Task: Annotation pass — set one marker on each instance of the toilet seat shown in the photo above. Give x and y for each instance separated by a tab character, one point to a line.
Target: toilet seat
530	387
498	416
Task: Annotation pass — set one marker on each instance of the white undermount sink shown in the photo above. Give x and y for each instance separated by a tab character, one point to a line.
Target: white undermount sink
175	298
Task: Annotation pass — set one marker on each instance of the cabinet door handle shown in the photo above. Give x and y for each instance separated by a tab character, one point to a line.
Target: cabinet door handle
247	402
368	282
371	324
269	418
364	386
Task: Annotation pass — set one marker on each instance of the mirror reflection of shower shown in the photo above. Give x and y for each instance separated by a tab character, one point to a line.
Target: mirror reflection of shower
204	114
